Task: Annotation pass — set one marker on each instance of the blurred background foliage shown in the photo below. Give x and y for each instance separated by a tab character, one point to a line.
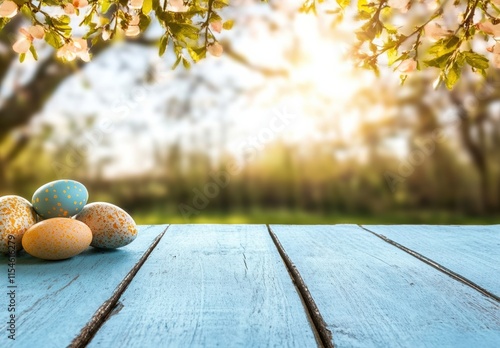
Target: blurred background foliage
350	148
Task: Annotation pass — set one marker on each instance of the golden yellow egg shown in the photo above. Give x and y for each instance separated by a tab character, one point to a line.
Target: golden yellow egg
57	239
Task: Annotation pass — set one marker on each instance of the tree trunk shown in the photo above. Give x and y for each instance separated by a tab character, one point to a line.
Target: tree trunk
479	160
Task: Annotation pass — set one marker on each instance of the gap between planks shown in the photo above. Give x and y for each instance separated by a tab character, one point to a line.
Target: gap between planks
109	307
319	324
436	265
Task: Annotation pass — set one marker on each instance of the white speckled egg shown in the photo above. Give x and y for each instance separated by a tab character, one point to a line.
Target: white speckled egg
16	216
57	239
111	226
60	198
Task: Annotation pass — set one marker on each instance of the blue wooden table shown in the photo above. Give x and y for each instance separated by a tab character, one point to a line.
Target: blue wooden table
265	286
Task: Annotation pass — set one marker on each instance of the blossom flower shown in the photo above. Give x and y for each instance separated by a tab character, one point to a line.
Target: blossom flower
136	4
70	8
73	49
215	49
401	5
496	55
106	34
133	27
489	28
8	9
177	6
435	31
216	26
407	66
28	36
80	3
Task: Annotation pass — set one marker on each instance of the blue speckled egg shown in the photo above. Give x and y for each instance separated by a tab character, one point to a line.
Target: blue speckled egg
61	198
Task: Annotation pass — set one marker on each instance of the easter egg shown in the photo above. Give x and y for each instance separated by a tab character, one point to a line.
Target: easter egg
111	226
57	239
61	198
16	216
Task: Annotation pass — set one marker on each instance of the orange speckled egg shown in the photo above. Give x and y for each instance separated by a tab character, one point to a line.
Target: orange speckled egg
57	239
16	216
111	226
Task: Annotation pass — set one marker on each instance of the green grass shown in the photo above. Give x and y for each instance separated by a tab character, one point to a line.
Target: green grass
279	216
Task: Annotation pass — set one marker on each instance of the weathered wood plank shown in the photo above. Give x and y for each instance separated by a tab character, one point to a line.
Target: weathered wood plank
371	293
471	251
210	285
55	299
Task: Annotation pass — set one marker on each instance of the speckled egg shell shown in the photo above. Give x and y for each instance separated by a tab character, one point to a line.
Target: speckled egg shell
16	216
61	198
111	226
57	239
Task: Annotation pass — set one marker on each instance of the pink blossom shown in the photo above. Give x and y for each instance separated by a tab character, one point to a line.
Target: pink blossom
22	45
36	31
132	30
435	31
215	49
136	4
216	26
177	6
106	34
401	5
69	9
73	49
80	3
407	66
496	55
489	28
8	9
28	36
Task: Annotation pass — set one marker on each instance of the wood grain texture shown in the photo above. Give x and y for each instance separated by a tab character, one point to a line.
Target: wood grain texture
470	251
372	294
55	299
207	286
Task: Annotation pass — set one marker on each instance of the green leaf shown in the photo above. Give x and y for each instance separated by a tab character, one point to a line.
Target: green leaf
163	44
156	5
444	46
228	25
218	4
365	9
179	58
308	6
452	77
62	25
476	60
182	31
147	6
392	56
343	3
144	22
53	39
105	5
33	52
3	22
26	11
22	56
214	17
197	53
439	62
61	20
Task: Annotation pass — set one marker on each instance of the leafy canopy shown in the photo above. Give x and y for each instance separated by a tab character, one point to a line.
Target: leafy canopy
407	35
